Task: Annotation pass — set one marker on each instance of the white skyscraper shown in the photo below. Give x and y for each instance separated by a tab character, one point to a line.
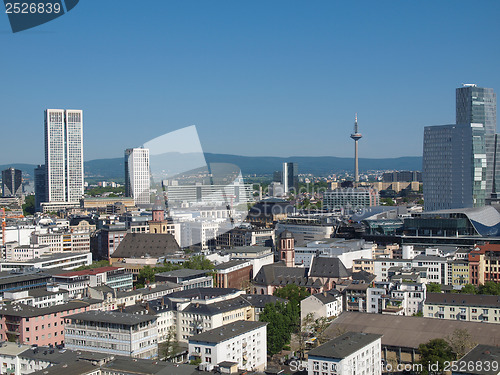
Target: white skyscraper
137	175
63	155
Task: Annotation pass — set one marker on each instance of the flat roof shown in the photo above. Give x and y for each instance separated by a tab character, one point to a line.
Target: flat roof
410	331
227	331
344	345
480	354
112	317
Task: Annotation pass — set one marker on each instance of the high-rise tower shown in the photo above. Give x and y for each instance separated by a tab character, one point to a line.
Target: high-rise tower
356	135
137	175
63	155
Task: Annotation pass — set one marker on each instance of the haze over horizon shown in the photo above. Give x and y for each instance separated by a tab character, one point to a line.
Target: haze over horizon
256	78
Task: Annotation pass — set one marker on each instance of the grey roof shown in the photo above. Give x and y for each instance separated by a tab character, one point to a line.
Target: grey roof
458	299
183	272
112	317
483	354
226	332
10	278
249	249
344	345
26	311
203	293
261	300
77	367
410	331
278	275
217	307
42	292
327	297
363	275
231	263
143	366
55	356
328	267
137	245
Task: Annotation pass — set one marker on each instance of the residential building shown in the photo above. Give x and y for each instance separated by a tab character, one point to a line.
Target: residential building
243	343
137	175
62	241
349	354
463	307
321	305
259	302
77	282
484	264
12	183
63	155
112	332
41	326
351	199
38	297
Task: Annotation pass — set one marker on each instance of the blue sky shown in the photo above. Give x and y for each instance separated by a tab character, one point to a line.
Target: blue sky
277	78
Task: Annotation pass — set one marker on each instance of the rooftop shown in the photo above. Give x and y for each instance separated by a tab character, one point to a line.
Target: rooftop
481	353
344	345
459	299
410	331
112	317
93	271
227	331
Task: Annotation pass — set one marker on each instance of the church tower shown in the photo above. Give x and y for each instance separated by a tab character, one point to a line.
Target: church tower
286	248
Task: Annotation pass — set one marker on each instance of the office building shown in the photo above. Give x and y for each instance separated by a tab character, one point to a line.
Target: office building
454	166
137	175
40	191
110	332
12	183
459	161
63	155
350	198
290	178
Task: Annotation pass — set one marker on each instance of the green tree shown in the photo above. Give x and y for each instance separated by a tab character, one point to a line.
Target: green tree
433	288
490	288
29	205
278	329
436	351
468	289
146	275
419	313
387	202
170	347
292	293
198	262
95	264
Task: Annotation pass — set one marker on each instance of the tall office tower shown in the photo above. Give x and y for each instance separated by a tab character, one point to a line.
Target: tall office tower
479	105
137	175
454	166
12	183
40	191
290	178
356	136
63	155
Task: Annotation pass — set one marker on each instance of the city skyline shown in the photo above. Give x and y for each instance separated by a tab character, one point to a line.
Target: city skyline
299	77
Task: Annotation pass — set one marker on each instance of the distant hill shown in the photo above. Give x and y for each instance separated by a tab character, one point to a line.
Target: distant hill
107	169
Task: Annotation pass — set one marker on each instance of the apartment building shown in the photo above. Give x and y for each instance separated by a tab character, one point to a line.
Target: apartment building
242	342
349	354
463	307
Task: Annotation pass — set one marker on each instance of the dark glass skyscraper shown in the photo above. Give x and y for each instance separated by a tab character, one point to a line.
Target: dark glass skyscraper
12	183
478	105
